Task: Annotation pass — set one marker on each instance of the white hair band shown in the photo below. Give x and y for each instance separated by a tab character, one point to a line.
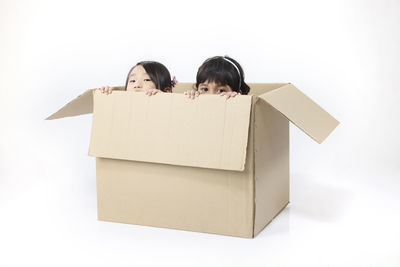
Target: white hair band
240	77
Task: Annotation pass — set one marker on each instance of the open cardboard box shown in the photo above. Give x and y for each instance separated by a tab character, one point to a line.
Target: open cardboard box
208	165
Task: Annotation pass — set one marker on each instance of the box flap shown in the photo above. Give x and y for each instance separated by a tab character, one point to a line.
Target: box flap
302	111
83	104
209	131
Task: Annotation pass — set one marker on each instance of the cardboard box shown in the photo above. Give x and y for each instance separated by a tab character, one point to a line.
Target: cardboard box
208	165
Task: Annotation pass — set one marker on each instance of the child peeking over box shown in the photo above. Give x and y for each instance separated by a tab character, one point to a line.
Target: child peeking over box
220	75
150	77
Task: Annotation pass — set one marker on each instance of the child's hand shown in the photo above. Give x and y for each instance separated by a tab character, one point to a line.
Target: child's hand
106	89
229	94
192	93
151	92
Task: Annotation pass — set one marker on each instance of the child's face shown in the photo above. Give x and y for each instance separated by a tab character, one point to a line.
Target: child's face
139	80
213	88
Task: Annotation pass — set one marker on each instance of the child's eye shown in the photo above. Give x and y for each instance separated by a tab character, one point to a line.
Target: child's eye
220	91
204	89
147	80
132	81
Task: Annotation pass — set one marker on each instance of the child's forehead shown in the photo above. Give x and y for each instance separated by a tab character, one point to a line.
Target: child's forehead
138	70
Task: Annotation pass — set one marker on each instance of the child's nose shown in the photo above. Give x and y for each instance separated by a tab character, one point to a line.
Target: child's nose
137	85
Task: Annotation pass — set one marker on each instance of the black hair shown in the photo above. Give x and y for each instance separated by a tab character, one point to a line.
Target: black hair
221	70
158	74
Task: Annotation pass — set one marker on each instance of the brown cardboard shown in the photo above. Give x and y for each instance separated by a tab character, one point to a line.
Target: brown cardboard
171	129
163	195
271	162
208	165
302	111
83	104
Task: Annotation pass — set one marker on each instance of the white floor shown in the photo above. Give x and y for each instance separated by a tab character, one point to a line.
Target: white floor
334	219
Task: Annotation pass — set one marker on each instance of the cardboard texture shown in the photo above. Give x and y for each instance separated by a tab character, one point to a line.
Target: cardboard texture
208	165
168	128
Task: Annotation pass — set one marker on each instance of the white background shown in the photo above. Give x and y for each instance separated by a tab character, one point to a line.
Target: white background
345	55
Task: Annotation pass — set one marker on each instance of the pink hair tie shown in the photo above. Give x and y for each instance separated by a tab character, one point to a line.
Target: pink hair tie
174	81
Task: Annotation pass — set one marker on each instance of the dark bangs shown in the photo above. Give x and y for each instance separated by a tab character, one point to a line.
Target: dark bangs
158	73
219	71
